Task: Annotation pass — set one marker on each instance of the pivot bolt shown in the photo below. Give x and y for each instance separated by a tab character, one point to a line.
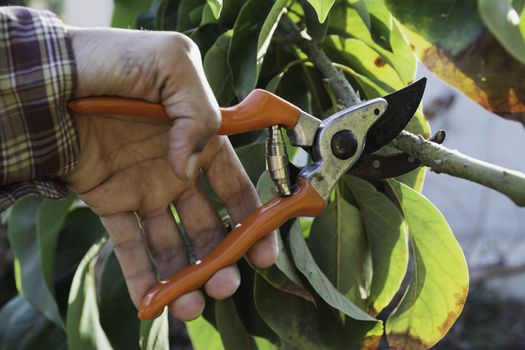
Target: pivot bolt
344	144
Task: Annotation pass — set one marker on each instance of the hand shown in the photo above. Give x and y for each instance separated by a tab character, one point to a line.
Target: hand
133	168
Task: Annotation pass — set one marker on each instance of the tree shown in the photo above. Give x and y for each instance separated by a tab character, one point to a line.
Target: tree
335	283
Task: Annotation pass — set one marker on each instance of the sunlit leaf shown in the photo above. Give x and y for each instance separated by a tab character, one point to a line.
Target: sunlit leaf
203	335
23	237
252	33
125	12
83	326
503	22
439	286
216	7
339	245
450	38
24	328
388	237
154	334
322	7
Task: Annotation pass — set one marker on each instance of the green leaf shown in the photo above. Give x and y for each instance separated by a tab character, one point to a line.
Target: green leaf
25	243
451	40
503	22
439	287
217	71
203	335
83	327
24	328
167	13
322	7
302	325
154	333
388	238
320	283
233	333
253	159
252	33
118	315
126	11
216	7
339	245
183	18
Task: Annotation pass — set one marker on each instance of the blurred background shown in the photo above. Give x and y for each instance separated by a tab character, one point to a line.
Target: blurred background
489	227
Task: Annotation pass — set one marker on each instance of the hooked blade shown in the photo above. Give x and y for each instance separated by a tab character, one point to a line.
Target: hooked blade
402	106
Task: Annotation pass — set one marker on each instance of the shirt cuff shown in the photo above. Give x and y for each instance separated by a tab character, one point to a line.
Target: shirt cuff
38	140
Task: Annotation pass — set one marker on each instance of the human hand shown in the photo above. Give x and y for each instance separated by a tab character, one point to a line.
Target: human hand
134	166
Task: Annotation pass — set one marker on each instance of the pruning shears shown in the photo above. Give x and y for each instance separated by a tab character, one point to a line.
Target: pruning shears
343	143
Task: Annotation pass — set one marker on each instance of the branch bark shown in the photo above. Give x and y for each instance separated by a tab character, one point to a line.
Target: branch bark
440	159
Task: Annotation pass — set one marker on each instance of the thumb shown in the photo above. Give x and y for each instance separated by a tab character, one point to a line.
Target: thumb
187	138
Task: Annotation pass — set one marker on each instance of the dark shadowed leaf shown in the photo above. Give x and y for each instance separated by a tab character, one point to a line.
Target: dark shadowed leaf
440	282
339	245
320	283
24	328
253	160
388	238
233	333
252	33
83	326
126	11
217	71
450	38
118	316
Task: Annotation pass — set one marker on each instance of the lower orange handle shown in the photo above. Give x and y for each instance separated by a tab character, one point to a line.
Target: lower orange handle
304	202
259	110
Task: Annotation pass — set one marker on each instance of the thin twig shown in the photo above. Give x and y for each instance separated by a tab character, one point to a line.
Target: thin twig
440	159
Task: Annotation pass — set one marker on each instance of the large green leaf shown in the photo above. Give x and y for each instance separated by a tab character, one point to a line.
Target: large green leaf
233	333
252	33
24	328
322	7
154	334
216	7
452	41
203	335
439	286
37	275
388	237
503	22
118	316
217	71
339	245
301	325
83	326
252	158
320	283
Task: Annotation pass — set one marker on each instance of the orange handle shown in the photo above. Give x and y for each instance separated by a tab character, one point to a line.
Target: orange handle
304	202
259	110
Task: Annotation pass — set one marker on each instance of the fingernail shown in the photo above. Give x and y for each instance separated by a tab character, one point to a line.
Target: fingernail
191	164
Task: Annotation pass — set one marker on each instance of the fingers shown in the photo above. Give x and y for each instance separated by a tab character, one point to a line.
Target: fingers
189	99
169	251
132	253
205	228
236	191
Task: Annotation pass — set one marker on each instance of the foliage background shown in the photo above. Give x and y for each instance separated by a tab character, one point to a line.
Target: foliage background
289	73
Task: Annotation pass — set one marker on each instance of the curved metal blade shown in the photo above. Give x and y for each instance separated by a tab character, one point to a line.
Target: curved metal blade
402	105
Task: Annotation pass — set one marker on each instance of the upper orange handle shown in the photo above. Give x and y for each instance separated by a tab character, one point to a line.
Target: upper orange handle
259	110
304	202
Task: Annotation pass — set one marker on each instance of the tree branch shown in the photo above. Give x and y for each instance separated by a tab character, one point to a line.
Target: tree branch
440	159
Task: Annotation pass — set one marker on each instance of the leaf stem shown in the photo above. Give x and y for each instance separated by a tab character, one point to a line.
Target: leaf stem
440	159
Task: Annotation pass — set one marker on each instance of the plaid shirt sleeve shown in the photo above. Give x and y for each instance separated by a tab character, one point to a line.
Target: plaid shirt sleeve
38	139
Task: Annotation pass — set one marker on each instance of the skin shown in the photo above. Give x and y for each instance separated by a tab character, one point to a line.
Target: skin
131	169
